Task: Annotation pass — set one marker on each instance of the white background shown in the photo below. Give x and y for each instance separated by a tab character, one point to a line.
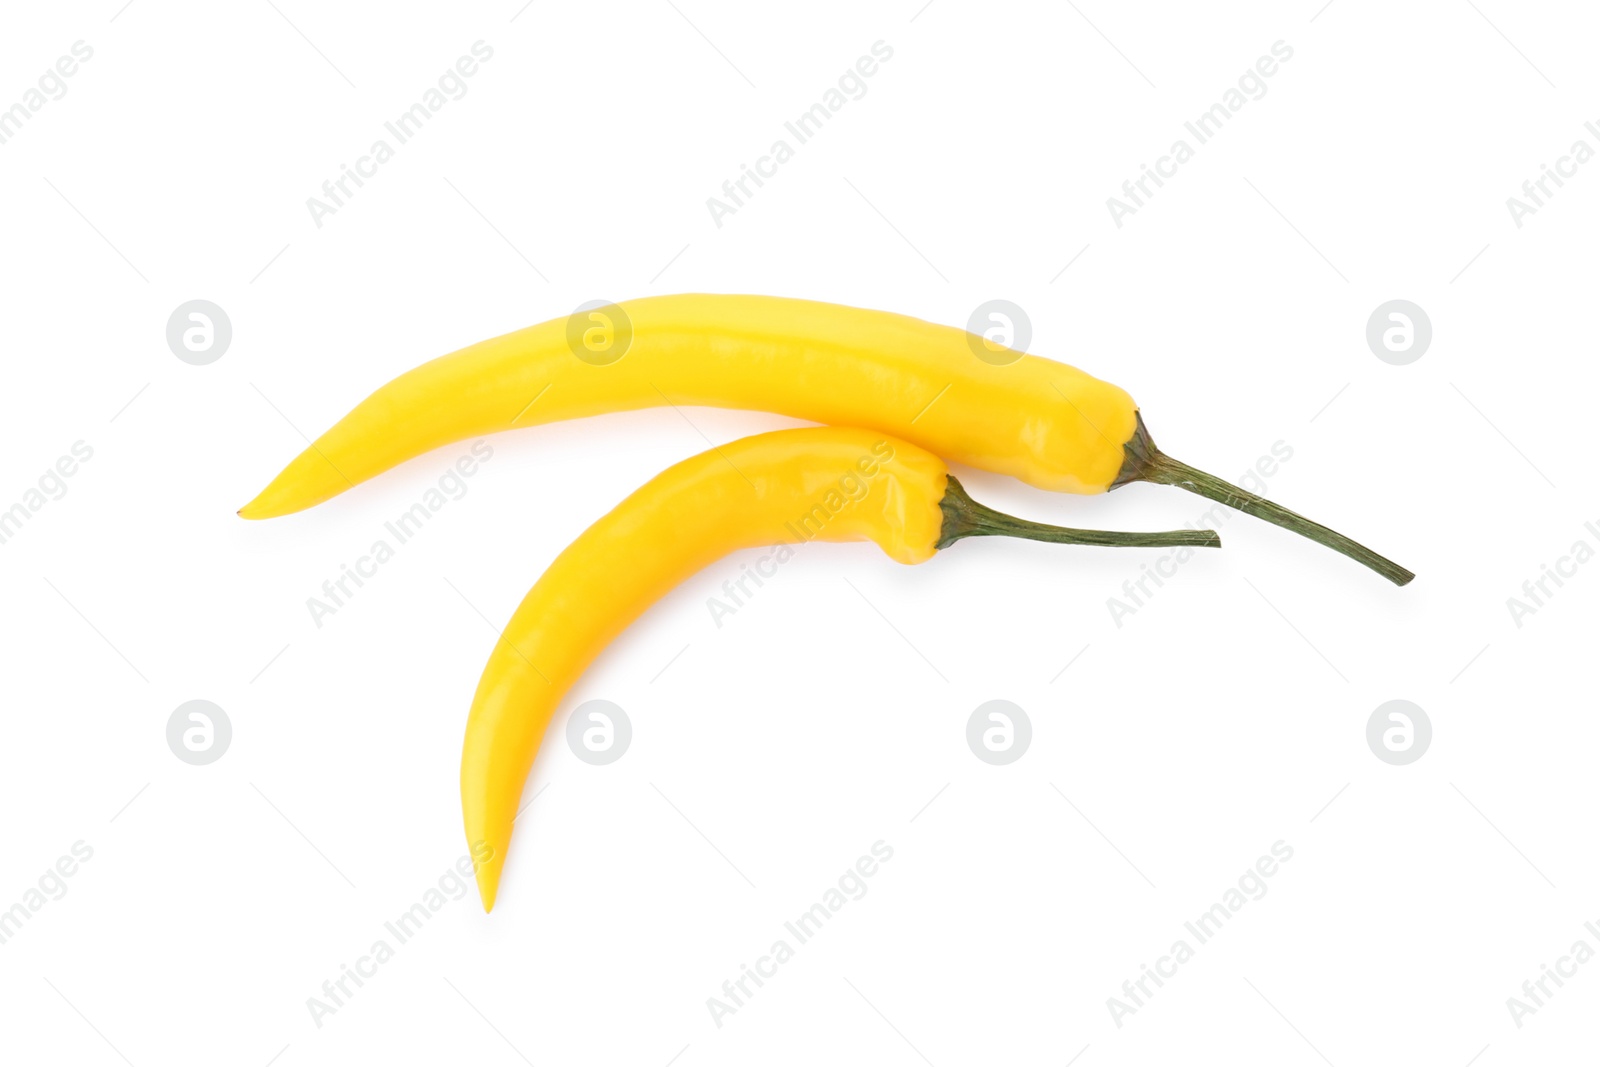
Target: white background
1227	714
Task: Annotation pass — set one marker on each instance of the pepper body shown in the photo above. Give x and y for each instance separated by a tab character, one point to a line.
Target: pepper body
786	487
1046	423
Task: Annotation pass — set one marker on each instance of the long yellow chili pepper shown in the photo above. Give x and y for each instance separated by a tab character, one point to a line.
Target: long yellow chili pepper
1049	424
783	488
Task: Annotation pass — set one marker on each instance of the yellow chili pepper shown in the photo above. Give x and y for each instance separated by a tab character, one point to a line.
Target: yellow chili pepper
783	488
1049	424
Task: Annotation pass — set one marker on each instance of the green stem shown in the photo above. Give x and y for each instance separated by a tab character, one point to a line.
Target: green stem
1147	463
965	517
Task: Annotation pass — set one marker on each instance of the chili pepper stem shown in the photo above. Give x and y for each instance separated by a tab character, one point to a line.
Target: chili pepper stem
1147	463
965	517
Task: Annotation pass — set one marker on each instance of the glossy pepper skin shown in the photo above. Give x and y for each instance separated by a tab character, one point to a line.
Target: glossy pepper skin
1046	423
785	488
827	484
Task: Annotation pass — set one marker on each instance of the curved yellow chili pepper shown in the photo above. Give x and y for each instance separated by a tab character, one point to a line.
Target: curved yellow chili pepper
783	488
1046	423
